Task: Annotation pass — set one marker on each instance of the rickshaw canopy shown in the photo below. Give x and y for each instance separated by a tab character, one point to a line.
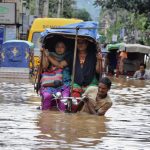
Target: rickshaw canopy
136	48
70	34
85	29
116	46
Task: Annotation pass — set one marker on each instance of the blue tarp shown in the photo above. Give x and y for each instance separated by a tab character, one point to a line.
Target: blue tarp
15	53
86	29
2	32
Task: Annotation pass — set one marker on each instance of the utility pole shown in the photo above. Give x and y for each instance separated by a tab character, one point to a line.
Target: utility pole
114	37
115	9
58	10
45	8
37	8
62	7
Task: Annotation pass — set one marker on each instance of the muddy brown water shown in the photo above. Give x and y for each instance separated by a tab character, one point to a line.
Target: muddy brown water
126	126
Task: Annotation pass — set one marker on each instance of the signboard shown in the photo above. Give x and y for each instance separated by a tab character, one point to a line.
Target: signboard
11	32
114	38
9	1
7	13
122	33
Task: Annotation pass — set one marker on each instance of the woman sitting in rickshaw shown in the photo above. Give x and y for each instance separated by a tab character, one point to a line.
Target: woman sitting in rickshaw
86	68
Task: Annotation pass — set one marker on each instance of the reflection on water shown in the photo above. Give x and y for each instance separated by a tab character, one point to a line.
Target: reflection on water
125	126
71	130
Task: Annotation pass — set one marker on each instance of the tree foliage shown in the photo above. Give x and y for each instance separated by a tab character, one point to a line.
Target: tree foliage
30	4
136	20
53	6
66	8
137	6
82	14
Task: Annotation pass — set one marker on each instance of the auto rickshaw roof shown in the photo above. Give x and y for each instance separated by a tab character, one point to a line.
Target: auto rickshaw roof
30	44
115	46
135	48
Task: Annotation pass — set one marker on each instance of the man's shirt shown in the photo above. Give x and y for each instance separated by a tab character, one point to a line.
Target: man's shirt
100	105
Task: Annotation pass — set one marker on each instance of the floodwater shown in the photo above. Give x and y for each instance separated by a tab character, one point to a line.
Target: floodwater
126	126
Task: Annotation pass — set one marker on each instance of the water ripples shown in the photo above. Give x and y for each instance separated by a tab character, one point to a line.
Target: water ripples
126	125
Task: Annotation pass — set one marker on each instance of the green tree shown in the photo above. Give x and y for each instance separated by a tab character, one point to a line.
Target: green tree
137	6
66	7
82	14
31	6
137	18
53	6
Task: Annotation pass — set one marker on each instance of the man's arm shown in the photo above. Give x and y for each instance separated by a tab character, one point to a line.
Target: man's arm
104	108
99	112
91	108
135	74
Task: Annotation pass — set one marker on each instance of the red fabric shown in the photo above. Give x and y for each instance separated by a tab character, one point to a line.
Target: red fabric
77	92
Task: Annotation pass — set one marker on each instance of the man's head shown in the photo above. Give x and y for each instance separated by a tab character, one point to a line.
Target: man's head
142	67
104	86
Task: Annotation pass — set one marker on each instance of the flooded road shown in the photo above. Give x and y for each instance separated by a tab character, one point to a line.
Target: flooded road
126	126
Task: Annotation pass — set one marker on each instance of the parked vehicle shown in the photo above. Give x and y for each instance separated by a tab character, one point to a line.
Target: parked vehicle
69	34
136	54
16	59
112	57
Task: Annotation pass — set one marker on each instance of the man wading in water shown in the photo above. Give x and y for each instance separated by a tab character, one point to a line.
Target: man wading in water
97	100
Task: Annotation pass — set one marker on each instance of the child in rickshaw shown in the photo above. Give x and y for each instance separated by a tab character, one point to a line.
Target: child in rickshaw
54	79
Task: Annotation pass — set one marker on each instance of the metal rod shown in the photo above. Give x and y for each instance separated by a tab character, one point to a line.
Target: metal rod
74	28
74	60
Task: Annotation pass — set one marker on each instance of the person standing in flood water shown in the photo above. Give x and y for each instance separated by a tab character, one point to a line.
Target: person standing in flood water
97	100
142	73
